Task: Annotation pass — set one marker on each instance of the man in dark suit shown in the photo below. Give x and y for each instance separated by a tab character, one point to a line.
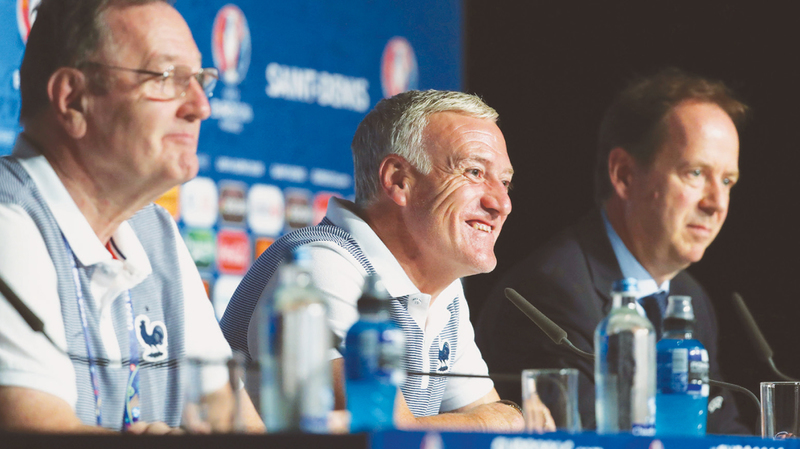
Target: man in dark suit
666	162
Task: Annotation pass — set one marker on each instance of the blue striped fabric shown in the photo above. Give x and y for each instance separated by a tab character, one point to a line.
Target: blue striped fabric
159	297
241	309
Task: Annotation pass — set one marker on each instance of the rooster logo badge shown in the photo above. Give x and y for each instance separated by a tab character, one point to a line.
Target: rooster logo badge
444	356
153	338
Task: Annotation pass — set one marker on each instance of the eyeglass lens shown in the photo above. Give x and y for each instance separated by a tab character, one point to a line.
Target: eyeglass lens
176	81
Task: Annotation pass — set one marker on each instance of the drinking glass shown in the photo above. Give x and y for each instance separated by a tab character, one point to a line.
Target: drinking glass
780	409
556	389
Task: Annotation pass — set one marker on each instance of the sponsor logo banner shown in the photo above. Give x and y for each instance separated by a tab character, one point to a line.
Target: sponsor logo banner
232	203
223	290
233	252
262	243
170	201
321	205
265	209
198	203
298	208
201	245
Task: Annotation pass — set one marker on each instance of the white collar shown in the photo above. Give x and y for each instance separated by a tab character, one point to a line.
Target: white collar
72	223
342	213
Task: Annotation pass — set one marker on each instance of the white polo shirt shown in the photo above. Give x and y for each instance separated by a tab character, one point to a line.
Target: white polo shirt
27	359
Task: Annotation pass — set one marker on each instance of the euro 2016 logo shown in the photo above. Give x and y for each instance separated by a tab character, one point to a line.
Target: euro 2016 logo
230	47
398	67
26	15
230	44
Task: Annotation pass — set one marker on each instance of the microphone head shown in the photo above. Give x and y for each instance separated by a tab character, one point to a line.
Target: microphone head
550	328
762	347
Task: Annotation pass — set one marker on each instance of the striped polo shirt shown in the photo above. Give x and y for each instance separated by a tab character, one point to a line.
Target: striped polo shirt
439	338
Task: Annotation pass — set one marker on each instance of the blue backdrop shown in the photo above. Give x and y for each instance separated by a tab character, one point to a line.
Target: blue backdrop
296	79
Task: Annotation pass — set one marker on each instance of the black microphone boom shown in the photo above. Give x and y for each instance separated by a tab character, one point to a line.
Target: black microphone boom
553	330
763	350
559	336
27	314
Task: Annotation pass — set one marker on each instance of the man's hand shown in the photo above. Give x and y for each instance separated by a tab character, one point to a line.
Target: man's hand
28	410
538	419
155	428
497	417
483	415
220	407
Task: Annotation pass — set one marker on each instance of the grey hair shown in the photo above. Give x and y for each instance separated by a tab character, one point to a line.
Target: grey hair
396	125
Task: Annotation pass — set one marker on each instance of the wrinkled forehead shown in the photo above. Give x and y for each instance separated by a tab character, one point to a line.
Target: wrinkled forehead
140	35
457	129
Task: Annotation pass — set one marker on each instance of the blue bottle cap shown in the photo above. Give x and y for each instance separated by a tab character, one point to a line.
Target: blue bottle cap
625	285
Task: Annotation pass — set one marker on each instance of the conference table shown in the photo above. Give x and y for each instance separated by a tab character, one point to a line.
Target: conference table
391	439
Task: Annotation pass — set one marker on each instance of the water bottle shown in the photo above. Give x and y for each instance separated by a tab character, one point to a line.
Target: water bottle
374	349
682	397
625	366
296	383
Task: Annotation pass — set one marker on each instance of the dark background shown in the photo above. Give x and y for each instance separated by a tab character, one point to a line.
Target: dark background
551	68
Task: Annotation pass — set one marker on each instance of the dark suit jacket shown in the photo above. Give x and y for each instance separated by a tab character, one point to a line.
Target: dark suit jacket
569	279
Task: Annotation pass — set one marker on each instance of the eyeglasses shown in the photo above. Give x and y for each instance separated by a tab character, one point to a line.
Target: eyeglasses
173	82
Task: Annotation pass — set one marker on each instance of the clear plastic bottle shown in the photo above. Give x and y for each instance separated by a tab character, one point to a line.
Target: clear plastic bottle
625	366
296	383
374	349
682	397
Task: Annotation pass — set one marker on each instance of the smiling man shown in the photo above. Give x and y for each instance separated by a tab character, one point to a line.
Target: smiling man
666	163
432	177
113	94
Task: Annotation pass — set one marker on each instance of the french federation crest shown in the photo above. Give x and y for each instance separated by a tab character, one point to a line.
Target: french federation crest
444	356
399	71
152	337
26	15
230	44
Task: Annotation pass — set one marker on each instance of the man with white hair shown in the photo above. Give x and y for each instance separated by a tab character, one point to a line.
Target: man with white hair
432	178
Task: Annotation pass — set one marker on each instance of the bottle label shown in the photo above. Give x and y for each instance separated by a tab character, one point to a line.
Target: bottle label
391	354
643	430
683	371
376	353
698	372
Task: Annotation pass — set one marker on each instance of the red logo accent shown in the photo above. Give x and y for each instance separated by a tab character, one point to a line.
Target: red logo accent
230	44
321	205
233	251
399	71
26	15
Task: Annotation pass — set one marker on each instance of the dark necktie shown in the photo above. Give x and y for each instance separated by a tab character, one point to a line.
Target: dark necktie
654	307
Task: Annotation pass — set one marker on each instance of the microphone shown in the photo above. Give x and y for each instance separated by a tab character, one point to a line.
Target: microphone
26	313
553	330
559	336
763	350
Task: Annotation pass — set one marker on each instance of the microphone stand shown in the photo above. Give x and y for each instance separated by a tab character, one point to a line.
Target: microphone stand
763	350
559	337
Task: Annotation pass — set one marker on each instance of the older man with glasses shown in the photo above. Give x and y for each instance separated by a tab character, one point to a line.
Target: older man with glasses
112	100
